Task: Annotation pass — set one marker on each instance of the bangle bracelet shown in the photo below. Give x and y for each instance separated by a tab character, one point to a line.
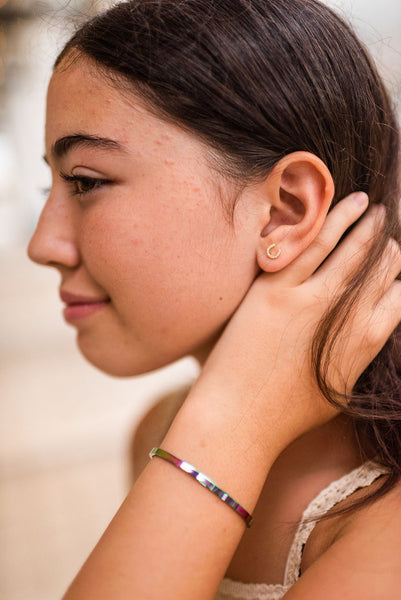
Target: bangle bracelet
205	481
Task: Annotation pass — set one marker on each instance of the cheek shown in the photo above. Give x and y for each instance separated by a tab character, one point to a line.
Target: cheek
166	274
163	246
174	280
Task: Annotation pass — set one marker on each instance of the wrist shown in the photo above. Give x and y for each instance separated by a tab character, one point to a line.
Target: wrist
222	439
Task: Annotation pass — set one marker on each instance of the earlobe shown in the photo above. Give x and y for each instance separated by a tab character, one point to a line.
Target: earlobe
273	254
299	190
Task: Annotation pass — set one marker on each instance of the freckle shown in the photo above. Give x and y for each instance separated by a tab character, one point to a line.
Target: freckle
220	299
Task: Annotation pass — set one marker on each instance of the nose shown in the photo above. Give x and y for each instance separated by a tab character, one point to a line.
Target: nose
54	242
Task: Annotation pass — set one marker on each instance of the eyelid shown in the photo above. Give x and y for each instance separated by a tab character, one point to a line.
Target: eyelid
73	178
97	182
81	171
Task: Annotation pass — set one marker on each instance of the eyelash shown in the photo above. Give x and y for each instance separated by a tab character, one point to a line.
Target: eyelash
76	180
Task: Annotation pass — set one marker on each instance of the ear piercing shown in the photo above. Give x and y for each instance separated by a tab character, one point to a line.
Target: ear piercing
269	252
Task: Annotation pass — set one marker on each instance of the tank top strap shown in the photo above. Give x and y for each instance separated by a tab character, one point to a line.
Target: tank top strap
330	496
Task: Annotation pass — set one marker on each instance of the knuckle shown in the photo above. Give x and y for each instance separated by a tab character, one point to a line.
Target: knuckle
365	232
375	335
378	213
322	245
394	249
363	239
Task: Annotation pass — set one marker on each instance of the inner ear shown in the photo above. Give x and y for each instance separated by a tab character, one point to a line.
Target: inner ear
290	211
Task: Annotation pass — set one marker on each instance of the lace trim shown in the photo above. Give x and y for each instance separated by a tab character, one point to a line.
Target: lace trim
236	590
335	492
331	495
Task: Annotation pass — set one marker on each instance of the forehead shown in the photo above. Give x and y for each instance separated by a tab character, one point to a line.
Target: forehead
83	103
79	97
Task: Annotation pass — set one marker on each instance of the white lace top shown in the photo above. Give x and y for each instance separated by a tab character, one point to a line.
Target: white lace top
338	490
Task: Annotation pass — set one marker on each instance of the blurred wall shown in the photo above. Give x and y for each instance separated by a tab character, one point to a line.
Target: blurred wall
64	427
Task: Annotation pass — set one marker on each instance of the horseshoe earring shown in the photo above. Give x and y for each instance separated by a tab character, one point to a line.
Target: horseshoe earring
269	252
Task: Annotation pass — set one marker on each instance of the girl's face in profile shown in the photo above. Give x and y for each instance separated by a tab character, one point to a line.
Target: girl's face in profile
151	266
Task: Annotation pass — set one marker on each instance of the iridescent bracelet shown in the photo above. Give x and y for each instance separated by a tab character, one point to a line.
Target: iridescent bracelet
205	481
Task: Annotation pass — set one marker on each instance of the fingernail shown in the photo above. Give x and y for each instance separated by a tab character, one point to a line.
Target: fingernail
361	198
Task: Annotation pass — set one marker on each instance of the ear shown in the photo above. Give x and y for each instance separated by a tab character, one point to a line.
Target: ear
298	192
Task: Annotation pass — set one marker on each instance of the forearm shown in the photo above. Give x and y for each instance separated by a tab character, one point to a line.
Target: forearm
172	538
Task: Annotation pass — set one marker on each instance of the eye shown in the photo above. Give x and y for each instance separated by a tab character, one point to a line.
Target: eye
81	184
86	184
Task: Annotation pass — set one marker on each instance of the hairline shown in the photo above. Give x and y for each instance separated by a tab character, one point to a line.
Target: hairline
216	160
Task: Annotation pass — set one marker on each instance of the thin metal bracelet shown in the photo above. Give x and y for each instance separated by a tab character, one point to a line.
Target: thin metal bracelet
205	481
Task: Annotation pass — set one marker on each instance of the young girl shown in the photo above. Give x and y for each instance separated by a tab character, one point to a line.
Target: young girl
199	151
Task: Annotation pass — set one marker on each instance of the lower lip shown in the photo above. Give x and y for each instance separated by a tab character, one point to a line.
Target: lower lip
75	312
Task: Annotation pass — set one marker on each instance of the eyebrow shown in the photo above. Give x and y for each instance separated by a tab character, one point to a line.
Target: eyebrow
82	140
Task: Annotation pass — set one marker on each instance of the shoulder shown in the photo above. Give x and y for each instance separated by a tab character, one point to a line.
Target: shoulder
357	555
153	426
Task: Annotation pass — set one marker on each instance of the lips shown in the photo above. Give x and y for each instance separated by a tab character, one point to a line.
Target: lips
80	306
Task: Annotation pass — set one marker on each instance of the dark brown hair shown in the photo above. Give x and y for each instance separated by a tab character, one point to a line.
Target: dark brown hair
256	80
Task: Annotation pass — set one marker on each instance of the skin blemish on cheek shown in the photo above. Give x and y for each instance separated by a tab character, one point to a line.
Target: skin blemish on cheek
169	163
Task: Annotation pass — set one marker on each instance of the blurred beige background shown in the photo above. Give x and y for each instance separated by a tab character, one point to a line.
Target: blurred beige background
65	428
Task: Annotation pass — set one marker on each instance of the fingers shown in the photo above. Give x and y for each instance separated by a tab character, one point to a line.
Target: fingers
338	220
385	318
377	310
379	306
349	255
388	269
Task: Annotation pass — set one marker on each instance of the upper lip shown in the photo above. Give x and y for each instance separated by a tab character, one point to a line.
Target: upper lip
72	299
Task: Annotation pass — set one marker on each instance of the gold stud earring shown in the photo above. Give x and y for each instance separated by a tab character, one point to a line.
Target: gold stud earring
269	253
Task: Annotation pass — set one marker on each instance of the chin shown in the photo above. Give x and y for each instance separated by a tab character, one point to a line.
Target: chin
117	368
118	364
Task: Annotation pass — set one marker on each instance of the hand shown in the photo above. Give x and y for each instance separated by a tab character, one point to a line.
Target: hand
262	361
255	394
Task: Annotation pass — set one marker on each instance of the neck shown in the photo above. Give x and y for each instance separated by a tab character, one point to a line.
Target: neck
330	446
312	462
